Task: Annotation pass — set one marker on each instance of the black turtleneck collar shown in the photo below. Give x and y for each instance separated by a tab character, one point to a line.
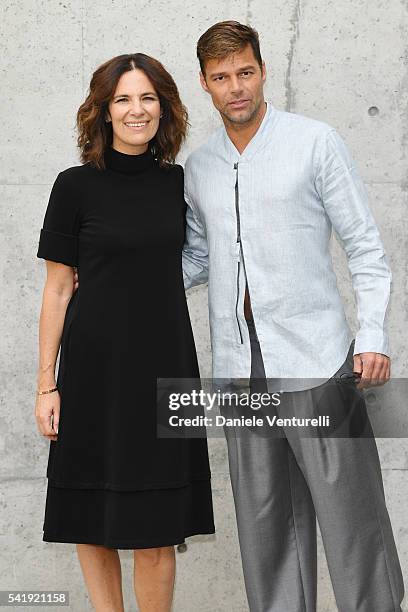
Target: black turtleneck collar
128	164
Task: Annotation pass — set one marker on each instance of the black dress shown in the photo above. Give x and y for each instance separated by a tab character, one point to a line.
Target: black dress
111	479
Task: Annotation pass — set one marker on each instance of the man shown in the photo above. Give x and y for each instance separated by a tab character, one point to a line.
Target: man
263	195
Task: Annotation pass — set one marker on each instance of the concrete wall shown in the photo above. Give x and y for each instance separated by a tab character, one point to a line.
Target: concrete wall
328	60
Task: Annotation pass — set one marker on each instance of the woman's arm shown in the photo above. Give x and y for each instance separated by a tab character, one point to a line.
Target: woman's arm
57	292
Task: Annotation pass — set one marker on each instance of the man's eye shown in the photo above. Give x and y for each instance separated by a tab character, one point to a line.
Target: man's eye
246	72
219	78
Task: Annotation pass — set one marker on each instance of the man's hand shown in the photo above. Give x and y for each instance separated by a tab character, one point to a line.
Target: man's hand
375	369
76	282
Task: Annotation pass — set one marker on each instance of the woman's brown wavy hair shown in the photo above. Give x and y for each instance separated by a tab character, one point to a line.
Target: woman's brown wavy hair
95	135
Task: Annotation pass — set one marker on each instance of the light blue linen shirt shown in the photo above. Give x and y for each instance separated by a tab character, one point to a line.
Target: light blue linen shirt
266	217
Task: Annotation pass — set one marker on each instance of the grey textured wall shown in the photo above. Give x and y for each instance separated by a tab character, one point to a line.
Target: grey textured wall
328	60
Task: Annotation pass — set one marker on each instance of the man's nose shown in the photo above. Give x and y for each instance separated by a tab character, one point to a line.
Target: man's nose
236	84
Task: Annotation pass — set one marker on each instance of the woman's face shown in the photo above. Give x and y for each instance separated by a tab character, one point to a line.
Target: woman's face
135	113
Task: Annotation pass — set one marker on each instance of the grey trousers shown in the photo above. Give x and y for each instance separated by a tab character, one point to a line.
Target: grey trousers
280	485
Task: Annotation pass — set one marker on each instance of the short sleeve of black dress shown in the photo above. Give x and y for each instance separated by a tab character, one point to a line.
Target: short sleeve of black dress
59	234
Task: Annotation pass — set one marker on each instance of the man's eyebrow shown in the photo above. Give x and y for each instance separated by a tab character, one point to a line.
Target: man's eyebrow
241	69
124	95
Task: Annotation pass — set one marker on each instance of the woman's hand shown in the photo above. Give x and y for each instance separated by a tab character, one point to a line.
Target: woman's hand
47	407
76	281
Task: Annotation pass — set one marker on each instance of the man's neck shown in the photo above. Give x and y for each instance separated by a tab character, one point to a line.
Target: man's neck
241	135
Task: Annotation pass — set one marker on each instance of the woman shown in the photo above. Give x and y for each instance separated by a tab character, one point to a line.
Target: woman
119	219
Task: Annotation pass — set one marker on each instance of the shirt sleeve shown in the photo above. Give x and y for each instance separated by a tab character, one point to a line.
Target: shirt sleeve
195	249
345	199
59	234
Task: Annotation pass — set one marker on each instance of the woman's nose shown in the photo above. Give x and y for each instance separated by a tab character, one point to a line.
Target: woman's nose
137	107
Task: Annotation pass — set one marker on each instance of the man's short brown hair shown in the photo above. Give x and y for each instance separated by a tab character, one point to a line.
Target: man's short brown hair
224	38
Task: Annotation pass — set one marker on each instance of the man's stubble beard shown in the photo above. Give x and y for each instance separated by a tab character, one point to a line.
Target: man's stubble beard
243	120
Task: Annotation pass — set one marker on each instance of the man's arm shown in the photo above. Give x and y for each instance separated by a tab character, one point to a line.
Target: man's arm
346	202
195	250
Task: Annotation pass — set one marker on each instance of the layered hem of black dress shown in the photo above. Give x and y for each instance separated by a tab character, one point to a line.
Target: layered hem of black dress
110	486
160	543
149	518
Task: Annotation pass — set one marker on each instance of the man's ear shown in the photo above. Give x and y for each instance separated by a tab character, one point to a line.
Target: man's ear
203	82
263	71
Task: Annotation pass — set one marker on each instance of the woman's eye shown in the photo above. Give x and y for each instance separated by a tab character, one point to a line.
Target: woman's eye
121	100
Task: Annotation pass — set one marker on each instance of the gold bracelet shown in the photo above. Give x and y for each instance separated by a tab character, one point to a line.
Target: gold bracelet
47	391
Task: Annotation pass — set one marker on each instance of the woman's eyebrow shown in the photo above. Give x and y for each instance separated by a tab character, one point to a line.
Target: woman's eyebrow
150	93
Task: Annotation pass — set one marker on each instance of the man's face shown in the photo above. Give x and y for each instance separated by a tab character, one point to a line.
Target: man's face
235	84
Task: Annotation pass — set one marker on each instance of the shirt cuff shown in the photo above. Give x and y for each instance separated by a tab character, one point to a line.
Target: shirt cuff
368	341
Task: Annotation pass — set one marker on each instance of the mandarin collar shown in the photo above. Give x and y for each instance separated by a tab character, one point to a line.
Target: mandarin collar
126	163
257	141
